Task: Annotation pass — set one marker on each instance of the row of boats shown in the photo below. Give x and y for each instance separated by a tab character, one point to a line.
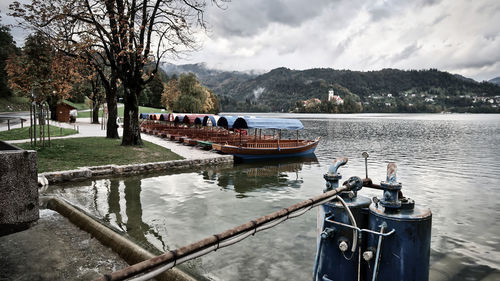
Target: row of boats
242	136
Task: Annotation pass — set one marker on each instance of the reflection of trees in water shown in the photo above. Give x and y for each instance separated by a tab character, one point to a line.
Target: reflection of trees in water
134	225
252	176
114	203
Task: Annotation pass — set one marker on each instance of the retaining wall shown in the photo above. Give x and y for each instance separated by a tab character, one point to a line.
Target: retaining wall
116	170
18	188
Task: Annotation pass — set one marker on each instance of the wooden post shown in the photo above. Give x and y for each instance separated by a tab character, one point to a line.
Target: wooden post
102	118
42	129
22	120
279	137
31	124
8	124
91	103
34	119
48	125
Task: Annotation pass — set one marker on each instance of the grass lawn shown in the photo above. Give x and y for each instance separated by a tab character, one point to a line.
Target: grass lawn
68	154
79	106
24	133
14	103
142	109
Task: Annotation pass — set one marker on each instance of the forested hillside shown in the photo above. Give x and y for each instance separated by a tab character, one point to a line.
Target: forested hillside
495	80
387	90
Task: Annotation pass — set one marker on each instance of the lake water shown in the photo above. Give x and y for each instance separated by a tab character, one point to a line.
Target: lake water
449	163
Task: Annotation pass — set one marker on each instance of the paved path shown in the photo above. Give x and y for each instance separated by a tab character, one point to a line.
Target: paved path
86	129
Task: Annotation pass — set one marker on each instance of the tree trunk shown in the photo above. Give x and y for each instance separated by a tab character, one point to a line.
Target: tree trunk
112	127
95	112
131	130
111	89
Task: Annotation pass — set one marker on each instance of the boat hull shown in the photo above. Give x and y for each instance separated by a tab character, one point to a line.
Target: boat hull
246	153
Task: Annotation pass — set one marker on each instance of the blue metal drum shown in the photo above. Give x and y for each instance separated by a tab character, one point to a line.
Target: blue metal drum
339	245
337	260
404	255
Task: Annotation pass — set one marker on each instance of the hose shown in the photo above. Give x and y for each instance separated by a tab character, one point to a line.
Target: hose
353	222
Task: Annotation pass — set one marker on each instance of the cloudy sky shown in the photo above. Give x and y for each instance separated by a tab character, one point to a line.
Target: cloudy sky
458	36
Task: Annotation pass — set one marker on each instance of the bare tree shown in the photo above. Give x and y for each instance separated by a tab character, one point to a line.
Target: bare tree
127	34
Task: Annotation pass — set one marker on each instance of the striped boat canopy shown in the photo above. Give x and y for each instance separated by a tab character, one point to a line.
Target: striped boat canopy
267	123
164	116
178	119
210	120
226	121
193	119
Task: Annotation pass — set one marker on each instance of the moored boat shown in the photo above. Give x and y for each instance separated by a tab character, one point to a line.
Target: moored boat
256	147
232	134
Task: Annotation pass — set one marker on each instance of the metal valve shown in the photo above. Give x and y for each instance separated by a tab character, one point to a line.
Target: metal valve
333	176
368	255
343	246
354	183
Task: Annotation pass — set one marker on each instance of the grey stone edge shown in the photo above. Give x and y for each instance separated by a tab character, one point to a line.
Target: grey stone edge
116	170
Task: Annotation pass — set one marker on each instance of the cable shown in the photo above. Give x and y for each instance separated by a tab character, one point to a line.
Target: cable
353	221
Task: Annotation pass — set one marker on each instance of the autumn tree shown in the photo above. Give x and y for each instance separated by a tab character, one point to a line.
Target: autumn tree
170	94
41	73
7	48
41	69
130	35
188	95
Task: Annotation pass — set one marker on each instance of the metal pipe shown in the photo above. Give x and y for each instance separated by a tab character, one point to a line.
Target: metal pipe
377	257
336	165
216	241
325	234
367	182
316	260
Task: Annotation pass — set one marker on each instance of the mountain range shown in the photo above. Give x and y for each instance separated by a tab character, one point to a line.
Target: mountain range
495	80
282	89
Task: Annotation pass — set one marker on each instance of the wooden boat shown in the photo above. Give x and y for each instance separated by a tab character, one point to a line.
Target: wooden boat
231	136
253	147
258	150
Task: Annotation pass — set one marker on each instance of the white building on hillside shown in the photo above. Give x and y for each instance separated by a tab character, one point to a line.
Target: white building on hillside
332	97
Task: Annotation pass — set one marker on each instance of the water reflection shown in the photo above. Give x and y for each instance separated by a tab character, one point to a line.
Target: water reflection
251	176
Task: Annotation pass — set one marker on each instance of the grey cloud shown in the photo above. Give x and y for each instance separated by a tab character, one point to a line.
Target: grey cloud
476	63
380	13
247	18
440	19
429	2
407	52
490	8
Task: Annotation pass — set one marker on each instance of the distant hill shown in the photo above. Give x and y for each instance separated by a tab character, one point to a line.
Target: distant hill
211	78
386	90
495	80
